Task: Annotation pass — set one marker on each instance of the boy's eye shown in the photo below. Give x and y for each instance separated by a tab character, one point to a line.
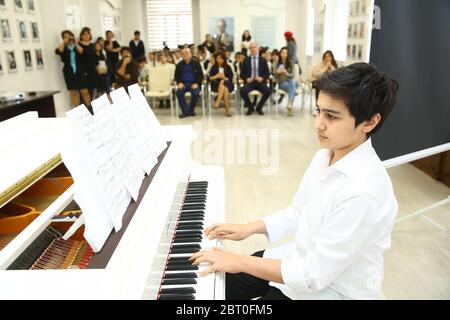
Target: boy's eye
317	110
331	117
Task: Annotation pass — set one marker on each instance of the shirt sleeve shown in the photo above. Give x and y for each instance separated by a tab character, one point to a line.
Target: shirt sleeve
284	222
352	227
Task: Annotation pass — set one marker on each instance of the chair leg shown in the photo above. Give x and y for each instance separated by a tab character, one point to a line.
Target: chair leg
176	106
203	102
171	104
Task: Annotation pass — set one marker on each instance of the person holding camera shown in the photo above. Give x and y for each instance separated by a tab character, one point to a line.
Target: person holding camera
74	70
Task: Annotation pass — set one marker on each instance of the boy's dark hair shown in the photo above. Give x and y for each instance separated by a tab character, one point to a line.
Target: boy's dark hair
141	59
363	89
137	33
123	49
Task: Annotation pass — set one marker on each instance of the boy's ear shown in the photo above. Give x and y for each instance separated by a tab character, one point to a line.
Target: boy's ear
369	125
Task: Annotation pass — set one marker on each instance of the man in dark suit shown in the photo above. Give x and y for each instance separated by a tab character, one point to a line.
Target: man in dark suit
255	73
137	46
189	77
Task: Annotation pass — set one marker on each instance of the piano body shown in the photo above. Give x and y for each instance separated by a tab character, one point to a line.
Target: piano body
144	260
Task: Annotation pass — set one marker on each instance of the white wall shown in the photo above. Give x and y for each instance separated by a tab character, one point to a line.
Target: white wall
291	15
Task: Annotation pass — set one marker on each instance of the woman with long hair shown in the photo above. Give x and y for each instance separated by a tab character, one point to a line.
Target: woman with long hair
284	73
246	39
327	64
221	77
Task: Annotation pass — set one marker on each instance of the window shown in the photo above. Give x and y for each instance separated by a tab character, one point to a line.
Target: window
169	21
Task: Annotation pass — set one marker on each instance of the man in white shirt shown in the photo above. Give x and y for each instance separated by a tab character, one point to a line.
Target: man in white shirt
342	214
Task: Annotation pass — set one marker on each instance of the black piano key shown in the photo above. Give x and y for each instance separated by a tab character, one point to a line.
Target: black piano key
178	259
182	290
183	250
189	228
200	189
197	183
189	296
193	207
200	196
196	192
187	246
188	233
175	282
192	212
190	223
188	240
188	214
194	201
184	275
192	217
182	267
178	262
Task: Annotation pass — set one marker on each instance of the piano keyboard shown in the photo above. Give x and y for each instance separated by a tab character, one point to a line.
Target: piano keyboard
180	280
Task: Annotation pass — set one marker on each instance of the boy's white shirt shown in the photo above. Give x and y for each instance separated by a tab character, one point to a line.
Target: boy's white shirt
342	217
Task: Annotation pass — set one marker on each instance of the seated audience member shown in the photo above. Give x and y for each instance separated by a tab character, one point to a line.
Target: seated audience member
255	74
221	78
152	59
327	64
144	69
127	71
189	77
285	77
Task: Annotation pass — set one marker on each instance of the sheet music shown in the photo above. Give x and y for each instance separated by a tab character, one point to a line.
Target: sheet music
150	124
98	222
117	146
104	175
135	129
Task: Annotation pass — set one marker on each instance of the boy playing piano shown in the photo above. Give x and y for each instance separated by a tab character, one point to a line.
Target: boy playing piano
342	214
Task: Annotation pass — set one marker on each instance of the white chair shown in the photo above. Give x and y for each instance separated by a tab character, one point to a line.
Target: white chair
160	85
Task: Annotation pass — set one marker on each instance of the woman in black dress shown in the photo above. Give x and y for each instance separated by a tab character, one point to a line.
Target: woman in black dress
74	71
221	77
101	68
89	59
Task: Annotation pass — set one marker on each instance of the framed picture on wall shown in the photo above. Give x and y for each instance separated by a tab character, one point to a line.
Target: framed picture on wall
22	30
11	61
30	6
39	59
1	66
18	5
27	59
35	31
360	52
361	30
6	30
2	4
222	30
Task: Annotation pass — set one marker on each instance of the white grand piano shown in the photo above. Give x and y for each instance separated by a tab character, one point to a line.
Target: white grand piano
145	260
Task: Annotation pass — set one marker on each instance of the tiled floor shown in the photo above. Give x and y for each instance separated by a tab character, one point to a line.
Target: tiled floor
418	264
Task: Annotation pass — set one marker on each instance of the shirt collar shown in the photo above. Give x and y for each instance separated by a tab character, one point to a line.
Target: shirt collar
352	161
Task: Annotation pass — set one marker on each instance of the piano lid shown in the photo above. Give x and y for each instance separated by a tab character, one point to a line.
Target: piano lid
33	147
